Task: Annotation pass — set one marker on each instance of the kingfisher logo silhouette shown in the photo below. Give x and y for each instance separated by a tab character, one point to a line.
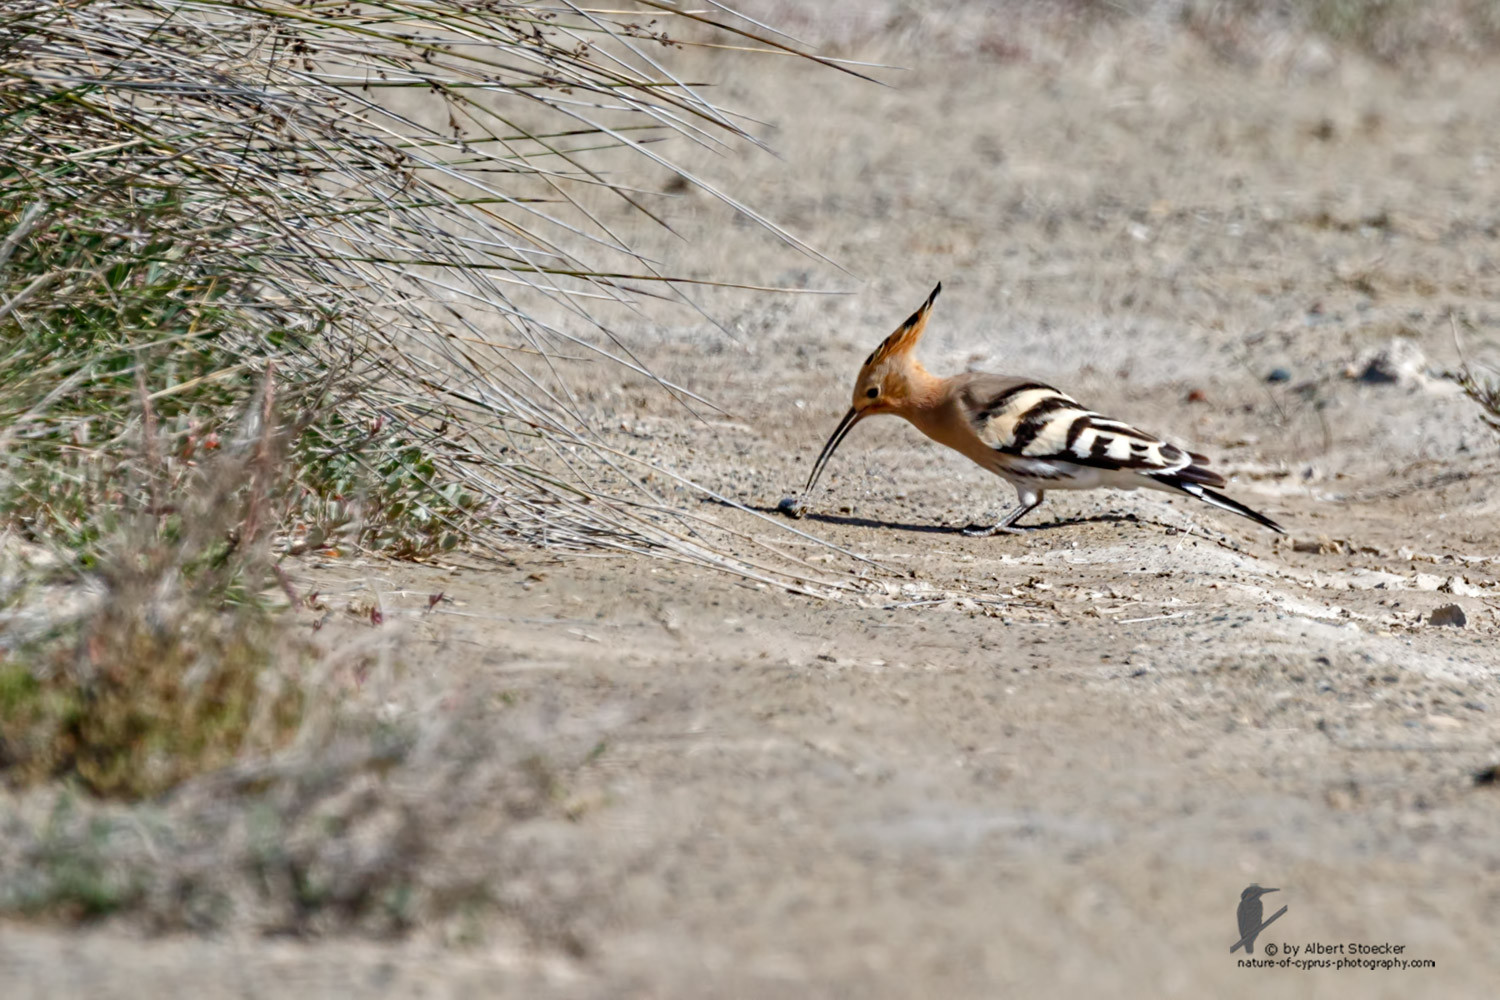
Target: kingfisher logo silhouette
1249	918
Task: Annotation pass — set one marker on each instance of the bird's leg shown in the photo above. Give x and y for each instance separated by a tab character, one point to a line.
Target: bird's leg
1025	504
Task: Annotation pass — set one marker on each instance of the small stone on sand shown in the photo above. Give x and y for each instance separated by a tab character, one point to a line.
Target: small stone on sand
790	507
1448	614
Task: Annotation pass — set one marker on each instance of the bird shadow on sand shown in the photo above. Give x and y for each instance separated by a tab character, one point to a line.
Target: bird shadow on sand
852	521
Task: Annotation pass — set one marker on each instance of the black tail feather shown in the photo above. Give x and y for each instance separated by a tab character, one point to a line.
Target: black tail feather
1196	473
1219	500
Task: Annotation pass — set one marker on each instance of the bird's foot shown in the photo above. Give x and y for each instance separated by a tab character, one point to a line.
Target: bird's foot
976	531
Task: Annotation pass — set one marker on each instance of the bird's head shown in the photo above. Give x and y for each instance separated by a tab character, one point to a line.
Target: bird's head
1255	892
885	381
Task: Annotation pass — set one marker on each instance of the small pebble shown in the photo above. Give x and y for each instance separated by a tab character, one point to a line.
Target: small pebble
1279	375
1448	614
790	507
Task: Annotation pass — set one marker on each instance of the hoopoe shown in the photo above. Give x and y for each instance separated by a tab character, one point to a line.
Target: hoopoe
1028	433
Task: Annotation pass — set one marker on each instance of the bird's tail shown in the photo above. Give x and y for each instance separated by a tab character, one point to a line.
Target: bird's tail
1193	485
1196	473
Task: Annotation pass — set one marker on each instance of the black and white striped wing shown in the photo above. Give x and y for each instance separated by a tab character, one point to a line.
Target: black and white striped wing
1039	433
1030	420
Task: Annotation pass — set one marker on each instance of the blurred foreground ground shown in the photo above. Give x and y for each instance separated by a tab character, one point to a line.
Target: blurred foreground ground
1047	764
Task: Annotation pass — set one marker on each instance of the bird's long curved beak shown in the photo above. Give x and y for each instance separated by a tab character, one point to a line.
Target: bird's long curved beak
850	419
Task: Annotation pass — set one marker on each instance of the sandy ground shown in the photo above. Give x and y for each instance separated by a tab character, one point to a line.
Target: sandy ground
1037	765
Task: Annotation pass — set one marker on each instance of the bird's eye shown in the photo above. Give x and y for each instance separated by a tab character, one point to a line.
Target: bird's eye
872	393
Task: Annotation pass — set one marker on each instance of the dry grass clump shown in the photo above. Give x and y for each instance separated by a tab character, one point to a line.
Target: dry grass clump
1484	389
1479	381
386	825
400	204
175	665
172	750
148	707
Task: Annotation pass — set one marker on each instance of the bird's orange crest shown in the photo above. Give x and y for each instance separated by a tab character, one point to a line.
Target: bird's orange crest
907	334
